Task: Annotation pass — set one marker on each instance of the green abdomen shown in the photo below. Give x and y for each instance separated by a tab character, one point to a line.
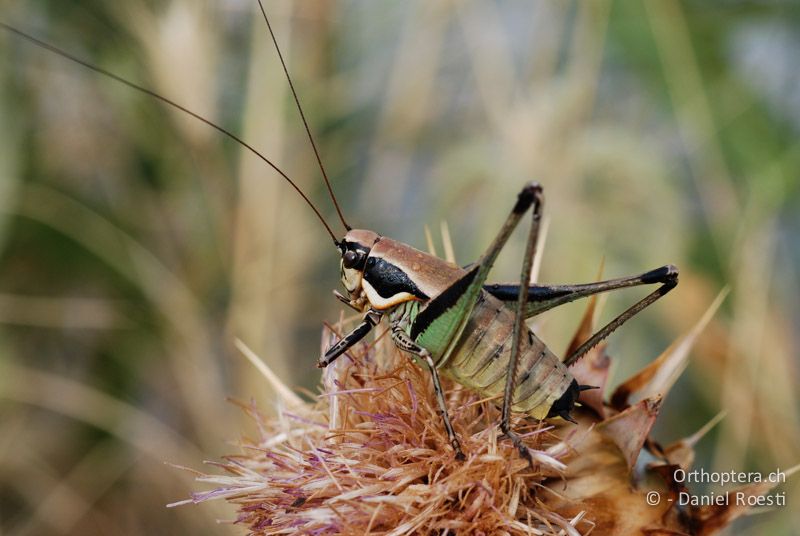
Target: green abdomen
480	360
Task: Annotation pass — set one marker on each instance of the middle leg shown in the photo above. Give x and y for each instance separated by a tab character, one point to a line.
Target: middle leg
404	342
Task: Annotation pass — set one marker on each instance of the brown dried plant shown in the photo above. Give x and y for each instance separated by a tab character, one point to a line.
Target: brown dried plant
370	456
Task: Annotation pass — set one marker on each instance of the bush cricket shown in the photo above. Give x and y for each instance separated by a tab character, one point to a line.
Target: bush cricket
449	319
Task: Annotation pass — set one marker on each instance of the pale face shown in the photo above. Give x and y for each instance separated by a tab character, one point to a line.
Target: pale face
351	278
355	247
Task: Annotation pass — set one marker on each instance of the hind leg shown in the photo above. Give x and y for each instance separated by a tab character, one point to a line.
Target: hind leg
668	279
519	325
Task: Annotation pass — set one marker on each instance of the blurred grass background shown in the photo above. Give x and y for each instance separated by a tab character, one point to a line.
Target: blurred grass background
136	243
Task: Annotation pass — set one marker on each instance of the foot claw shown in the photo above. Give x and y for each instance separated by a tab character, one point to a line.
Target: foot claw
525	452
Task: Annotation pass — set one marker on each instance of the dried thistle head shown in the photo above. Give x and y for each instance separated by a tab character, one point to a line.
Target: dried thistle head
371	456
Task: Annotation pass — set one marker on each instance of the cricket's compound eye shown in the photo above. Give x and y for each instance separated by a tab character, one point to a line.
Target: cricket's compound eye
350	259
354	260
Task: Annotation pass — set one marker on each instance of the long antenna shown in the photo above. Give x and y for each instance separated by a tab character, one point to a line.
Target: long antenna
67	55
303	117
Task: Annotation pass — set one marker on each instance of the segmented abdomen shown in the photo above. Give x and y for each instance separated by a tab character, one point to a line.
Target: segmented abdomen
480	360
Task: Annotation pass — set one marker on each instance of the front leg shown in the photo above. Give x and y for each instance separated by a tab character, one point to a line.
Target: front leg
404	342
371	319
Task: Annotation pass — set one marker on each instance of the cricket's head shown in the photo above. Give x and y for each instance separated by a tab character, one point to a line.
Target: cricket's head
355	248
